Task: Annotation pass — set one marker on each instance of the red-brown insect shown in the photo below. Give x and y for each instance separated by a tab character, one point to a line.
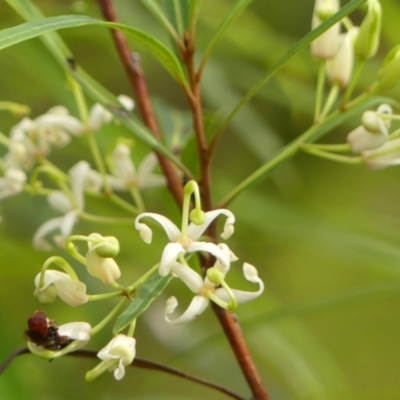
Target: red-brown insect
44	332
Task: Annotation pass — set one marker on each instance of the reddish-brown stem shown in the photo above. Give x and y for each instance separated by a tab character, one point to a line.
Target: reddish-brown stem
226	319
138	83
134	71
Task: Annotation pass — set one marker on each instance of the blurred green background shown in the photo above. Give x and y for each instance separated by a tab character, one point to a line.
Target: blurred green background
324	237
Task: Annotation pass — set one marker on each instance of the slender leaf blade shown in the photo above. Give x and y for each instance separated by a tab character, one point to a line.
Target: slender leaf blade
147	294
233	14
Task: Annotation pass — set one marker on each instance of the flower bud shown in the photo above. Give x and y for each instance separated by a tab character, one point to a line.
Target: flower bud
340	67
109	248
326	45
389	73
367	41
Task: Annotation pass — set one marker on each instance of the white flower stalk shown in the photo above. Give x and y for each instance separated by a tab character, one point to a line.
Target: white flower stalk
209	289
70	207
79	332
60	284
387	155
126	176
186	242
327	45
340	67
117	355
373	132
12	183
104	268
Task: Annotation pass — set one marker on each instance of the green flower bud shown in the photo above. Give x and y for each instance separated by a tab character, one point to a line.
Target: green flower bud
367	42
389	73
215	275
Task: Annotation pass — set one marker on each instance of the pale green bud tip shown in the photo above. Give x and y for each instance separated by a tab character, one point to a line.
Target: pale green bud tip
109	248
46	295
389	73
197	216
215	275
367	42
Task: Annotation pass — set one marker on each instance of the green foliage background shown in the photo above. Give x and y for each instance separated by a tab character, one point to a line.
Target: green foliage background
324	237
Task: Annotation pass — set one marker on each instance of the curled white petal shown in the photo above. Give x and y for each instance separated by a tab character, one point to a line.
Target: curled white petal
169	227
59	202
196	307
250	273
145	176
169	255
186	274
145	232
195	231
360	139
211	248
98	116
78	174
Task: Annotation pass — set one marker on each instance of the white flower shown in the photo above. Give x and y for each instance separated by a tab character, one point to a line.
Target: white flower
12	183
373	132
387	155
326	45
340	67
206	290
60	284
32	139
104	268
118	354
79	332
125	174
71	208
186	243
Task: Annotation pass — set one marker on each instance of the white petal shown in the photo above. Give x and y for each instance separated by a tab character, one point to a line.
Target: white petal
145	232
76	330
211	248
78	174
195	231
145	175
59	202
105	269
68	222
170	228
119	372
191	278
169	255
241	296
360	139
123	167
196	307
98	116
72	292
67	122
126	102
38	240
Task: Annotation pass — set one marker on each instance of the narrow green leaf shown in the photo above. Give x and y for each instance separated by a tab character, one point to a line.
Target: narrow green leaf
147	294
177	12
158	13
36	28
299	46
236	10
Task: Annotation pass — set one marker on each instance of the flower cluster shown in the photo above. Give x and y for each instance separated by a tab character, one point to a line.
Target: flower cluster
187	240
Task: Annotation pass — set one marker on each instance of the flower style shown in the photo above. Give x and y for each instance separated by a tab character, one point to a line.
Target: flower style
12	183
125	175
104	268
60	284
185	241
118	354
209	289
387	155
70	207
79	332
373	132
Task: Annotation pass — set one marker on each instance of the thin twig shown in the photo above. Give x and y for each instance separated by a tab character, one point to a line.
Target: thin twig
139	363
134	71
